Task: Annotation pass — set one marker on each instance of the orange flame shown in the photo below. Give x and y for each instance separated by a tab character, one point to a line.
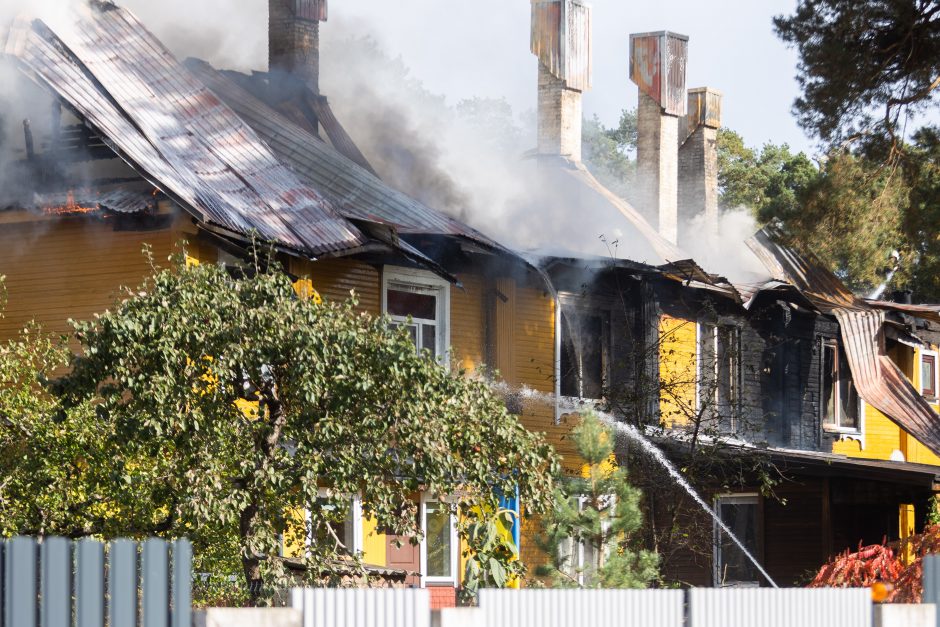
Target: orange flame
71	207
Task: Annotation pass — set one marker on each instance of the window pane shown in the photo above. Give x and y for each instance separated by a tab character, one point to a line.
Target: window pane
429	338
848	395
927	375
438	540
403	303
333	521
734	566
828	388
583	364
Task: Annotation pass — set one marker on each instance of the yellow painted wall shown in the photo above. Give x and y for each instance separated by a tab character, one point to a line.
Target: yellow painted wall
71	268
373	543
678	351
467	318
334	278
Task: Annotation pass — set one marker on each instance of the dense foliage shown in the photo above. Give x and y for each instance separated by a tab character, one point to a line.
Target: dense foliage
216	406
600	511
865	65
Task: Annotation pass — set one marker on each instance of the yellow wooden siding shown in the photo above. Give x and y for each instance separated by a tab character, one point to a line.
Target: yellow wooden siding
334	278
467	336
71	268
678	350
374	543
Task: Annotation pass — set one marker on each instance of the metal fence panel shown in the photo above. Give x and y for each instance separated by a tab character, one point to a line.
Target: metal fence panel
182	583
55	583
155	586
20	583
794	607
122	583
89	583
575	608
342	607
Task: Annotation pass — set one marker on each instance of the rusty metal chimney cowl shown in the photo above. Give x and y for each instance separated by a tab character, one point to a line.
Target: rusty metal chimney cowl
658	68
294	41
561	39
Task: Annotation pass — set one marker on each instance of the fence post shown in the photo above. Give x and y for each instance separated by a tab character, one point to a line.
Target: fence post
931	582
155	584
122	583
55	559
20	583
182	583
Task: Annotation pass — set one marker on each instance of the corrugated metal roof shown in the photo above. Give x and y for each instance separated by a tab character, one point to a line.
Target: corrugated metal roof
878	379
561	39
355	192
84	200
927	312
174	131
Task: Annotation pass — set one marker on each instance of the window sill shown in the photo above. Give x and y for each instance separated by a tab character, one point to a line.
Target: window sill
846	433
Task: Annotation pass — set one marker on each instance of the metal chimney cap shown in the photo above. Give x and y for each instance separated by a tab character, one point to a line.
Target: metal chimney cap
661	33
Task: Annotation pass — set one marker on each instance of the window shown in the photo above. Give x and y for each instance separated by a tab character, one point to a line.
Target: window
719	373
580	557
928	375
439	548
420	302
740	513
337	522
585	354
840	400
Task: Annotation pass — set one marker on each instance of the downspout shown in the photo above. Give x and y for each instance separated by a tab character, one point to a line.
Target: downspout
556	368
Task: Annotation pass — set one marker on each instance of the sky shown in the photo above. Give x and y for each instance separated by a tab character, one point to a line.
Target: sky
463	49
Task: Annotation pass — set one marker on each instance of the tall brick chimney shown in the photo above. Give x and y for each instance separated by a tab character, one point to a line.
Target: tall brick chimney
561	39
698	162
658	66
294	41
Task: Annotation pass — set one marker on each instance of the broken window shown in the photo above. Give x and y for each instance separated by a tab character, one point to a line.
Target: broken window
928	375
840	400
719	373
585	354
418	302
740	513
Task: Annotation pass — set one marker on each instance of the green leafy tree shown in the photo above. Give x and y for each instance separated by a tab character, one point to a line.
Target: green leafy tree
607	152
216	406
492	557
600	512
865	65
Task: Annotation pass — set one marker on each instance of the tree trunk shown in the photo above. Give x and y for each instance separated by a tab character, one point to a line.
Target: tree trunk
251	563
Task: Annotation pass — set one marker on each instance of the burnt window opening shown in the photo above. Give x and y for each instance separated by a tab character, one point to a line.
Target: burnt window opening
585	353
741	514
719	370
840	400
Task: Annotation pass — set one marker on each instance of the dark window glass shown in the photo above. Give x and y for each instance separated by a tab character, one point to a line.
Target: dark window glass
329	521
740	515
848	395
404	303
585	341
438	540
830	376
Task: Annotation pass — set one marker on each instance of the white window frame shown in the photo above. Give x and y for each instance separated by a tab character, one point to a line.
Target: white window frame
744	498
454	577
577	565
422	281
936	373
357	539
699	369
845	433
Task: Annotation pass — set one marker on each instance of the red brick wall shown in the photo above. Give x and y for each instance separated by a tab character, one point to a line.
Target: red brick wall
442	596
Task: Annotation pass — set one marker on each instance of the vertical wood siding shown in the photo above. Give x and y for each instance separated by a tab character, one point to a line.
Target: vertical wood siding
72	268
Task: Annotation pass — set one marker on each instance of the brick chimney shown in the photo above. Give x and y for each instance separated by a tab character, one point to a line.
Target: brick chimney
561	39
698	162
658	66
294	41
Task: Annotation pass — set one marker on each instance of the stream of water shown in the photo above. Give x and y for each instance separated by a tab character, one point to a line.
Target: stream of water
654	452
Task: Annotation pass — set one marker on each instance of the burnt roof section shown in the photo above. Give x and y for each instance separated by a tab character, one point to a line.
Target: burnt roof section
174	131
354	191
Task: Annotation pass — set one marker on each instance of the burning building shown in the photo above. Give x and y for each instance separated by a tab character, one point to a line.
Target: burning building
789	370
